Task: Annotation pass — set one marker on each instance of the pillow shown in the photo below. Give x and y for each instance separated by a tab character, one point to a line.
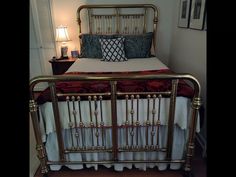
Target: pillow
113	49
138	46
90	45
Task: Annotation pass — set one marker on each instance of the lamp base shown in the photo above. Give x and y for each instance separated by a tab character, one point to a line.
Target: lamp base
64	50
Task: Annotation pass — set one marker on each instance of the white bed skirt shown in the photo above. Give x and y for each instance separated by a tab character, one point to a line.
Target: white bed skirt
179	140
182	119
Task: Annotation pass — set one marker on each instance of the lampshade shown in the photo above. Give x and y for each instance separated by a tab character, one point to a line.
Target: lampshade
62	34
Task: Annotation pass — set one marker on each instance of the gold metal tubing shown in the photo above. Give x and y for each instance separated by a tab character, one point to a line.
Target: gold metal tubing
88	150
70	122
80	116
90	109
114	120
144	20
81	124
131	15
196	103
114	77
126	121
137	122
126	103
132	120
147	122
171	118
41	151
82	94
102	123
115	6
114	162
158	120
103	15
57	120
91	120
140	149
76	127
117	21
96	118
153	117
142	93
90	23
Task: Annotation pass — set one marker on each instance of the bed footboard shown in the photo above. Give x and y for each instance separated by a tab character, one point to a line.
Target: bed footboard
129	128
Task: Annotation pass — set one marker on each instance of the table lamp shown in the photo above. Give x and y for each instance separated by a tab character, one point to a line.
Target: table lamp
62	36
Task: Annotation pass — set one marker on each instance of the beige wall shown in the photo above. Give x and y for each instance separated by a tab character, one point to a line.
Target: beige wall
188	54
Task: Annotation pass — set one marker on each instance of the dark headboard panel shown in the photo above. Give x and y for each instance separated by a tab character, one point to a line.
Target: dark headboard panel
119	19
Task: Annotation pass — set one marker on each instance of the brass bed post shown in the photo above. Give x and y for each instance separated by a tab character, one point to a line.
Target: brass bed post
114	120
171	118
33	108
196	103
57	120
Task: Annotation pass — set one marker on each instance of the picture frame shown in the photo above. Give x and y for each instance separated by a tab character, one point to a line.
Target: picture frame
184	13
197	16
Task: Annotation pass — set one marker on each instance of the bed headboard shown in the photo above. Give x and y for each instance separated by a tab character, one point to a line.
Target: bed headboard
119	19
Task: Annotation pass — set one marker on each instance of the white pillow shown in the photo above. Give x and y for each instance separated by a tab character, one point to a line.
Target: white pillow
113	49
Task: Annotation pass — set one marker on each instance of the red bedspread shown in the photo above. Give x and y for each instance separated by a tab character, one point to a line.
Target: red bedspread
123	86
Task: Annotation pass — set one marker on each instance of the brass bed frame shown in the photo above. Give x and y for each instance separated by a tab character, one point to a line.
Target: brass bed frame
96	99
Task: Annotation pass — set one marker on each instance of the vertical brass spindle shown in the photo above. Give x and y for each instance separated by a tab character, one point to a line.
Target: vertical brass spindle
96	118
117	21
95	24
100	24
158	121
153	118
147	122
144	20
114	120
81	124
132	120
126	121
76	127
102	123
103	25
171	118
70	122
91	120
137	122
90	23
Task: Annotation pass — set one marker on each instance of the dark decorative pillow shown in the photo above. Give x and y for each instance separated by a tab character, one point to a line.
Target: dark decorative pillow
138	46
113	49
90	45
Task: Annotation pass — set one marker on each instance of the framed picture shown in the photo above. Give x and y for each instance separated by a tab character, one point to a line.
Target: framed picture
197	14
184	11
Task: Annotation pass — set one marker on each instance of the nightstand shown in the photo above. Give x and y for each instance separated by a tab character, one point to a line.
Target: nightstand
60	66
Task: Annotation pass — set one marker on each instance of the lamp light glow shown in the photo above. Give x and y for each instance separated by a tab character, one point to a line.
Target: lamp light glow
62	36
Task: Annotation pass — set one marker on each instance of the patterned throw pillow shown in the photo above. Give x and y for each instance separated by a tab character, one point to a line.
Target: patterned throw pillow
113	49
